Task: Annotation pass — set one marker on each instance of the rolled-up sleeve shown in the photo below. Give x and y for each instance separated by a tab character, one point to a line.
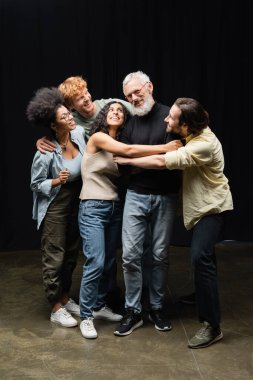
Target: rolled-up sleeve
196	154
40	183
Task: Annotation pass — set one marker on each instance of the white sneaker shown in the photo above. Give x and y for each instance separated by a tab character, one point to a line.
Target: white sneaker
72	307
63	318
107	314
87	328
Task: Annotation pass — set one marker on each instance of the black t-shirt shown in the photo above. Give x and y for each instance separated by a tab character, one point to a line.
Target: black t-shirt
151	130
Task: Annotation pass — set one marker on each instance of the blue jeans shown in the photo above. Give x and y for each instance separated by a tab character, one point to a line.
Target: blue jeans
205	234
143	211
100	228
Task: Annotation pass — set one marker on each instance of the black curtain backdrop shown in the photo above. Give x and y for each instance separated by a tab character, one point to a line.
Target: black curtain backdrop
189	48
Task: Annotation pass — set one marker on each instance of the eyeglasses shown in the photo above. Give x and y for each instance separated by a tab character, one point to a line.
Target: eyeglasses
135	93
65	116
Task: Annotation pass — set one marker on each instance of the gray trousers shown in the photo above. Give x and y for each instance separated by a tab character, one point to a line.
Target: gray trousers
60	241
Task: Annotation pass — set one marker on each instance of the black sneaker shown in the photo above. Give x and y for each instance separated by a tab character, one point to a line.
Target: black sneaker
206	336
160	320
129	323
189	299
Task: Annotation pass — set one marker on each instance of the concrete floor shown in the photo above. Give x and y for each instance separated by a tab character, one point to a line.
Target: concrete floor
31	347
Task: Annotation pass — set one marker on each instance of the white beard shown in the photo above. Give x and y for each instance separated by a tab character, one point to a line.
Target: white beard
145	108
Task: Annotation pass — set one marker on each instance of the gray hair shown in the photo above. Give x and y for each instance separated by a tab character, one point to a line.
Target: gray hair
137	74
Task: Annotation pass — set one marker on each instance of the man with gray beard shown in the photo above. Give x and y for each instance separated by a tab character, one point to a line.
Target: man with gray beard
150	209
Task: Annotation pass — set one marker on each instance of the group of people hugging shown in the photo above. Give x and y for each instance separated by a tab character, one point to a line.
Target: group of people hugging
112	173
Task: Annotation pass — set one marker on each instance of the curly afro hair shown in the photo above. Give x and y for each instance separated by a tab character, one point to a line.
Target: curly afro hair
100	123
42	108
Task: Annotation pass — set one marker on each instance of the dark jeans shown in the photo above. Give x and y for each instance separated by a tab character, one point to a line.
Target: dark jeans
205	234
60	241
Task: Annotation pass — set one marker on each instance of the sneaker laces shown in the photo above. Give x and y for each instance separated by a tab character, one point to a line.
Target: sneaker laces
160	314
129	315
88	322
202	332
65	313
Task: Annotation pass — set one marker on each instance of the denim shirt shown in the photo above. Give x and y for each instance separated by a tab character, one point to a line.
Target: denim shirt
45	167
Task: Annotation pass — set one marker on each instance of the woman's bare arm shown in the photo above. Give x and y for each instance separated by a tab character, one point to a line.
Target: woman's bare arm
148	162
103	141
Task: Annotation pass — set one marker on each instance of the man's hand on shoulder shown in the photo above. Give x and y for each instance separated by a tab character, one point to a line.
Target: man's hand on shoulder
45	145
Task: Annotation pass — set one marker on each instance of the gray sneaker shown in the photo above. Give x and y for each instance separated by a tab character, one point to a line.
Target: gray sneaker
206	336
107	314
72	307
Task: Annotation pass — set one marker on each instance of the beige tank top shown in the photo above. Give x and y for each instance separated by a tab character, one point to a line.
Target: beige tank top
100	176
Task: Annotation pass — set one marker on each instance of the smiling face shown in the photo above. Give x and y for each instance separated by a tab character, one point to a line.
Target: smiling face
139	94
64	121
83	104
115	116
173	124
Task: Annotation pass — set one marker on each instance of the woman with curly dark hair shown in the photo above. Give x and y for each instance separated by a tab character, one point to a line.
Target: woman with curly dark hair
56	184
100	213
